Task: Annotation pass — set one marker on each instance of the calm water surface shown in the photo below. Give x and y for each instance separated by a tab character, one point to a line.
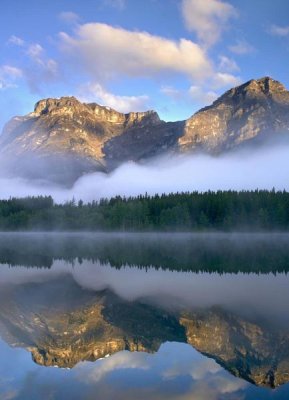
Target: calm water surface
144	316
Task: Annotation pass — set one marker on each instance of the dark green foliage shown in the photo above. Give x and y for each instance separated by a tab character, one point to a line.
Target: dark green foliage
222	210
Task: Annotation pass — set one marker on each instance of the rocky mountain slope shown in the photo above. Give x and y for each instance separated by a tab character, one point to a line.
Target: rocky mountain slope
256	108
64	138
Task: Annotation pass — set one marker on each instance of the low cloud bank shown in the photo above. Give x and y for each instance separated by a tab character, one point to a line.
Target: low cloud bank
263	168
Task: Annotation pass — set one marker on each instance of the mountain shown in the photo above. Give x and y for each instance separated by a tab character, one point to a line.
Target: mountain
258	108
64	138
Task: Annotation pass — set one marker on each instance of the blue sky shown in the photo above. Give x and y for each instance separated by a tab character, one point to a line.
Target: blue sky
174	56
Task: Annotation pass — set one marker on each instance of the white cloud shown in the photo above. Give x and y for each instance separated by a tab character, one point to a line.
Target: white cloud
222	79
241	47
117	361
6	85
202	97
69	17
35	52
227	64
107	52
172	92
11	72
277	30
15	40
94	92
207	18
43	69
196	365
8	76
195	94
243	171
37	68
37	55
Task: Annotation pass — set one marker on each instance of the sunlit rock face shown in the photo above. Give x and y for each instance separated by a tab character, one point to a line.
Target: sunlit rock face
67	138
62	324
256	108
63	139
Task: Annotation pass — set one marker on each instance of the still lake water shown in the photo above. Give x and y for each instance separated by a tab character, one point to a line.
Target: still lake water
144	316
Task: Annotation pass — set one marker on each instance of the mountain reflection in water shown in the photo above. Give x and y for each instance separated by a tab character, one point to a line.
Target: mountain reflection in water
85	308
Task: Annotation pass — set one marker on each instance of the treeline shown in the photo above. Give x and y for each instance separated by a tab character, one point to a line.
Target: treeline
221	210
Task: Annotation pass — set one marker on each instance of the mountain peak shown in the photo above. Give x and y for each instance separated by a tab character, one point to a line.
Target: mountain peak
47	105
266	85
256	88
257	107
70	105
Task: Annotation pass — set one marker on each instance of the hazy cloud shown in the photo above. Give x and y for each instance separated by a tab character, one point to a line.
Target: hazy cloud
222	79
189	290
241	47
37	55
35	52
120	360
8	76
10	71
96	93
227	64
207	18
200	96
37	68
277	30
205	94
106	52
195	94
172	92
69	17
43	69
264	169
15	40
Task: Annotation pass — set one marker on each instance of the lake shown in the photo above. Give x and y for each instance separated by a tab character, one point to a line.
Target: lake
144	316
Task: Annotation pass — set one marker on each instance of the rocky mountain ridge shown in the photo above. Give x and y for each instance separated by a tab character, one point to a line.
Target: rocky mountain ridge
258	107
65	138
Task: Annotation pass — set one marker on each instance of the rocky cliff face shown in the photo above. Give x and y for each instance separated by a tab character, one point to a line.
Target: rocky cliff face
65	138
256	108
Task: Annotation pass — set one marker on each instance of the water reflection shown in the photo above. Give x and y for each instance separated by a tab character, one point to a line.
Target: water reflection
157	326
176	372
222	253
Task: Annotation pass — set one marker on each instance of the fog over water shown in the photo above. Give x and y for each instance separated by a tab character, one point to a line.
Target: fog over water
263	168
